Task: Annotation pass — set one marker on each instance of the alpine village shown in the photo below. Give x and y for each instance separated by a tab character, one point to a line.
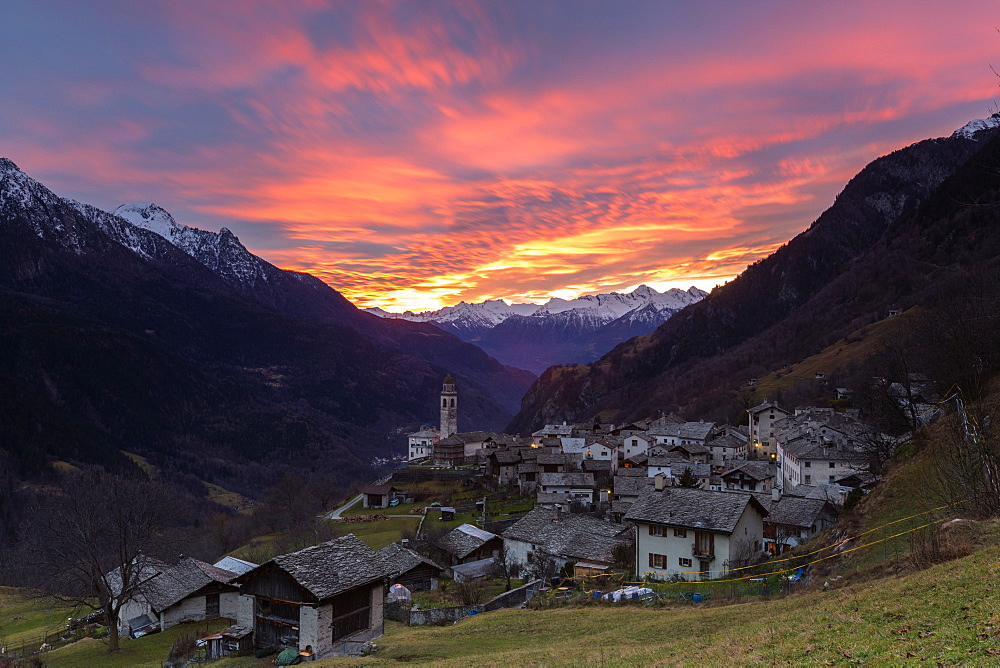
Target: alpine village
209	459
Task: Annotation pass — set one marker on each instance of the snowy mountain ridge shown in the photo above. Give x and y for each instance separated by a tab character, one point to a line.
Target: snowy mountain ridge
534	337
604	307
969	130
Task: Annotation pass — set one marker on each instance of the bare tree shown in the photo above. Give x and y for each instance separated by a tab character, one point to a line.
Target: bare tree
91	543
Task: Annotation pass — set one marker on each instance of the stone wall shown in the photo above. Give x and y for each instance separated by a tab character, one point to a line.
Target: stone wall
437	616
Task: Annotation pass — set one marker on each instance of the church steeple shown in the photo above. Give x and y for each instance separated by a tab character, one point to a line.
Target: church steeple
449	407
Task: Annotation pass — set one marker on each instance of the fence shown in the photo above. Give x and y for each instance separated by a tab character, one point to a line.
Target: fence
400	612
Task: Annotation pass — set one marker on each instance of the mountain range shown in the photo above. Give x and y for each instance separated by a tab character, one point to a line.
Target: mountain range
912	223
128	331
567	331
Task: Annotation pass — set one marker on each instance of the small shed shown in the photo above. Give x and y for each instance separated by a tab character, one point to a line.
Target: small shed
234	641
408	568
378	496
474	570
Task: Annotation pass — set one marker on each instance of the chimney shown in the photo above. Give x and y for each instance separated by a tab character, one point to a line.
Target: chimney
404	541
558	512
775	494
659	482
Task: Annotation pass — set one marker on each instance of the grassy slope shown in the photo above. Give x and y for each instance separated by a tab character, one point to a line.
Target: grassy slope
948	613
146	651
24	618
836	357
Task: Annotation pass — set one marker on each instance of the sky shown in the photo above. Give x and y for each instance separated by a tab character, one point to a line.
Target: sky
418	153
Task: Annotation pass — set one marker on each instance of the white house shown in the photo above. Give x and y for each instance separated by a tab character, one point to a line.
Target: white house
695	533
421	443
762	419
633	445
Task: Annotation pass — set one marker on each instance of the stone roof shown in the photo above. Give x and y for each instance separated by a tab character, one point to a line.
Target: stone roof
464	540
596	465
333	567
756	469
831	493
506	457
551	458
528	467
696	430
692	508
668	459
573	445
797	512
807	448
568	535
727	440
378	490
567	479
631	485
425	433
764	406
552	497
178	582
699	469
401	559
690	448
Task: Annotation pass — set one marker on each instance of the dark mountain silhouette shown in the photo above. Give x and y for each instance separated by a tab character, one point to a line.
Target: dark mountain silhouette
114	338
871	249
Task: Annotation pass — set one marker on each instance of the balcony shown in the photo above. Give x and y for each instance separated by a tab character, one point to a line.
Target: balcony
705	553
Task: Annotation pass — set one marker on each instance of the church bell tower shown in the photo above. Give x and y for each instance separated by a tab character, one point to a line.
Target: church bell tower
449	408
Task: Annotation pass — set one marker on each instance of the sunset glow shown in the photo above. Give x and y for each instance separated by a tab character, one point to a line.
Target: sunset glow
414	154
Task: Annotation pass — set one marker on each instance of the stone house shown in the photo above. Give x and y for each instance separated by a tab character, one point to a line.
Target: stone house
190	591
324	600
563	537
792	521
749	475
762	420
467	543
412	570
693	532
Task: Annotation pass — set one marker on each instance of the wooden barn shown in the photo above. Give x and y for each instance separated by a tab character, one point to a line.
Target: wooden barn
413	571
324	600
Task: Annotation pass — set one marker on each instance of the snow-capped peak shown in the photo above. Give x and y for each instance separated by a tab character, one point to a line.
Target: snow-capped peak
149	216
972	127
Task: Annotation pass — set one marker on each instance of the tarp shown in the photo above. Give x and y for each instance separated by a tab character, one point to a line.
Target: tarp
289	657
627	593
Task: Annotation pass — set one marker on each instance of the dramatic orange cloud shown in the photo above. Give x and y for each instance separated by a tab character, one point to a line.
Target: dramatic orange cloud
416	154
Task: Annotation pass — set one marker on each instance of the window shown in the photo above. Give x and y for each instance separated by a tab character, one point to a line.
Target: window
686	563
808	479
831	464
657	560
832	478
657	531
808	465
704	543
680	533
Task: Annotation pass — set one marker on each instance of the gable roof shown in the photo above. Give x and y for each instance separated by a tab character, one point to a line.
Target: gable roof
464	540
238	566
332	567
756	469
631	485
401	559
693	508
178	582
567	479
568	535
798	512
378	490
